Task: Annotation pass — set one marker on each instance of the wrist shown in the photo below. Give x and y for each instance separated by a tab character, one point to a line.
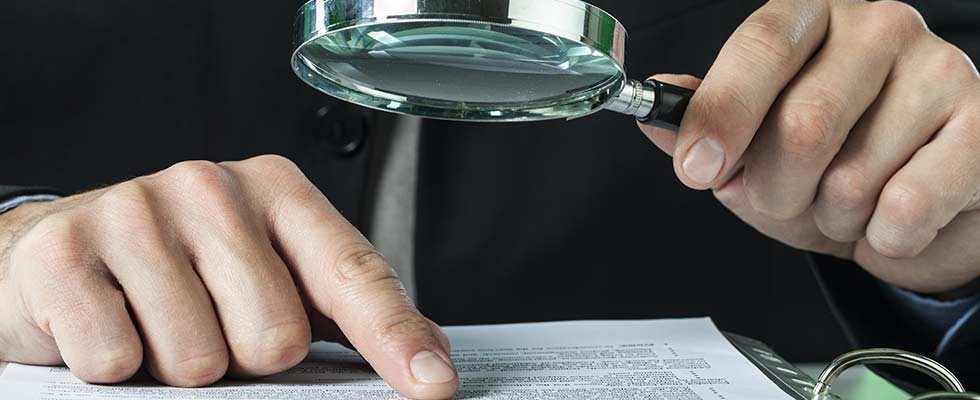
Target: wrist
12	222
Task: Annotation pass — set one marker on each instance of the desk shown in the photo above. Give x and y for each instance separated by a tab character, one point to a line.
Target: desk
860	383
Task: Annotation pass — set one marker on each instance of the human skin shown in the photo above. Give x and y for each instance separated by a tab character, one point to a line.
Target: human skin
205	269
845	128
840	127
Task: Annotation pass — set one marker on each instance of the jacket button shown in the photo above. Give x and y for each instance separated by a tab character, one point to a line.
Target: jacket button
342	130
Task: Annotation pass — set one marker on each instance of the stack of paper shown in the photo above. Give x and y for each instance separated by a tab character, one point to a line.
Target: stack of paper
686	359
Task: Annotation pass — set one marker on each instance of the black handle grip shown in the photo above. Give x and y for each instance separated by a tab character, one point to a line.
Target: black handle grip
669	107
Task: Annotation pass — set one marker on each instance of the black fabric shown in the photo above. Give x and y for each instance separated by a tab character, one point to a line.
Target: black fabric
9	192
96	93
517	222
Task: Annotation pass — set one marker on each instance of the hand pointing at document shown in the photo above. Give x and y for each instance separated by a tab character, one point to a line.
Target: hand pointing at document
204	269
846	128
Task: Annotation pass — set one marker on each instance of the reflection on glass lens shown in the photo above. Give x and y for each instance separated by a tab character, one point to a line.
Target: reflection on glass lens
462	66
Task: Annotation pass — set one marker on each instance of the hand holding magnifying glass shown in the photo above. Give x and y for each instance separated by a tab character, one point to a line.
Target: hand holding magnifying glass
840	127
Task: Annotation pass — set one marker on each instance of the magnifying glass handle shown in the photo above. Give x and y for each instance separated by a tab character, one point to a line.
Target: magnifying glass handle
669	105
653	103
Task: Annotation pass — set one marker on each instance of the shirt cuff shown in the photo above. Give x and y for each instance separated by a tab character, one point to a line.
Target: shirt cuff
942	317
12	203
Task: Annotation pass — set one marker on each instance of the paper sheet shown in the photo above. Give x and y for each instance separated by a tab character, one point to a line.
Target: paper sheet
685	359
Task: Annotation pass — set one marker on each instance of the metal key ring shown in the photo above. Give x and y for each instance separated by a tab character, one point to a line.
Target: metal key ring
947	396
901	358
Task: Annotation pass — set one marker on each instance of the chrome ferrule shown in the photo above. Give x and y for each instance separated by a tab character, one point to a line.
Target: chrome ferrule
636	99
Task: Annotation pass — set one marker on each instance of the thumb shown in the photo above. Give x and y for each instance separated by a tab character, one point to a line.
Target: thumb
666	139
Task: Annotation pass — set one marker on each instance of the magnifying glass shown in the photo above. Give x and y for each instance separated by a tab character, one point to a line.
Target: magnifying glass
477	60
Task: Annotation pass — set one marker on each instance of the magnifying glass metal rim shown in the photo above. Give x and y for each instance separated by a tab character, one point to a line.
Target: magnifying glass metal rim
594	28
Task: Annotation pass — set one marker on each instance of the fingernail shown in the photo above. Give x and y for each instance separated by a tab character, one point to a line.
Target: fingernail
427	367
704	161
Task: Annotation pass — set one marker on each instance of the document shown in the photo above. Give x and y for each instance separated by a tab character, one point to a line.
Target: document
684	359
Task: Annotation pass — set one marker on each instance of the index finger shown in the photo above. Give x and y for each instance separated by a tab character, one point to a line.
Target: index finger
348	281
753	67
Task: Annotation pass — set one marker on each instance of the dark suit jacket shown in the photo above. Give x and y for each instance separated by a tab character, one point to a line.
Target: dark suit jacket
519	222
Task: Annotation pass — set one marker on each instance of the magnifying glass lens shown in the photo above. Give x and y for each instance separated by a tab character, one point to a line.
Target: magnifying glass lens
460	70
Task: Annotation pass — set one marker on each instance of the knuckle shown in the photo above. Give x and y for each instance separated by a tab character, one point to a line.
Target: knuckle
906	206
125	209
362	264
951	59
109	367
289	185
195	171
291	193
768	38
56	245
301	191
196	370
287	173
906	215
274	163
771	207
202	178
806	131
760	197
840	230
279	169
893	20
210	189
723	100
846	188
278	347
892	245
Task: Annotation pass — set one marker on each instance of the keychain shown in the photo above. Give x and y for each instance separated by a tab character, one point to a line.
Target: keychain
954	389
